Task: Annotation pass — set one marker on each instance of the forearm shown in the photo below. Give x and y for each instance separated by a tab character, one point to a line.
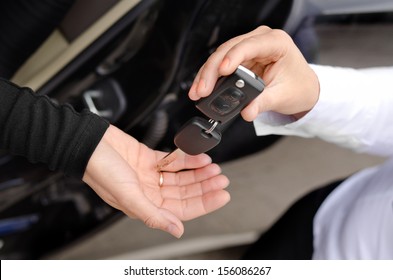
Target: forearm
42	131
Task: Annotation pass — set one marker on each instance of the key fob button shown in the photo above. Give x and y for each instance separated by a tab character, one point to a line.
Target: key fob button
240	83
230	95
227	101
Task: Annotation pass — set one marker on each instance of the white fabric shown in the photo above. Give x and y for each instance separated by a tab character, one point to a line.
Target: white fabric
354	110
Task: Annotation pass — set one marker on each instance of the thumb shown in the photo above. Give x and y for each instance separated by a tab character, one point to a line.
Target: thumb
251	111
268	100
164	220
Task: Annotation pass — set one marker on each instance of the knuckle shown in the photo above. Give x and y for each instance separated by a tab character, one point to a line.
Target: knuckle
152	222
263	28
210	62
281	34
224	47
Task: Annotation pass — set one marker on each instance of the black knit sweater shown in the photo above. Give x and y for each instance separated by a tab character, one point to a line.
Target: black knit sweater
35	127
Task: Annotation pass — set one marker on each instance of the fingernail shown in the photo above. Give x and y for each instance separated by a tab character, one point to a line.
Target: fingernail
193	88
192	92
174	230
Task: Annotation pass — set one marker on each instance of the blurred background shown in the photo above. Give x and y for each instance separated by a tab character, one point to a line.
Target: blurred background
44	215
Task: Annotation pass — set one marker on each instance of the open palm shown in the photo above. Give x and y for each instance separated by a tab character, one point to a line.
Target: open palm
122	171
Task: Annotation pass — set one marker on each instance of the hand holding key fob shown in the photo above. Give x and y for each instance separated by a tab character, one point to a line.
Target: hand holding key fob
230	95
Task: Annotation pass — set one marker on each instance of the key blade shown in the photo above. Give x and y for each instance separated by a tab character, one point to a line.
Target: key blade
168	159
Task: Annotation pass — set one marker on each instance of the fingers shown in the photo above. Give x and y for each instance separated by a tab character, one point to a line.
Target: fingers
135	205
257	50
193	207
203	195
192	183
218	182
193	193
272	55
165	220
190	194
168	217
187	177
263	48
227	57
157	218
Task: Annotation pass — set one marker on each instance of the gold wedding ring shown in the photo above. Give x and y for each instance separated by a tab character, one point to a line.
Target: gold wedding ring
161	179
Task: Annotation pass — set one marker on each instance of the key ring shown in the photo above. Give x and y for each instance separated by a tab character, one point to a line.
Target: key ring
210	130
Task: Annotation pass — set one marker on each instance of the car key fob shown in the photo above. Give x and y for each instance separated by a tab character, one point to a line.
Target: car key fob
197	136
230	95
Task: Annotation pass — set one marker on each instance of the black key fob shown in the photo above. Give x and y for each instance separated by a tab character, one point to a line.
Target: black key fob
230	95
197	136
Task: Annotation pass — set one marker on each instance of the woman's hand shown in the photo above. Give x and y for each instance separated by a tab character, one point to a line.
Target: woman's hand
123	173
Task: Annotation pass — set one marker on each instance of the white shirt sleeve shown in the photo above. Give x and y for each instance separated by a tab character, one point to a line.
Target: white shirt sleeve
354	110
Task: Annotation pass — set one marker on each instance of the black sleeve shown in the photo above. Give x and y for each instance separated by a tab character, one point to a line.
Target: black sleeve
35	127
